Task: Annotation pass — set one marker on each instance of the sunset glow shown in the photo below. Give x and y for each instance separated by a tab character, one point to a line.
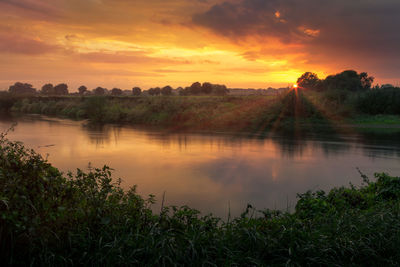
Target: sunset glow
240	43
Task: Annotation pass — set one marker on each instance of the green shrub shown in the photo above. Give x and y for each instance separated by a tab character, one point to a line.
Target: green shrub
6	101
380	101
85	218
115	113
95	108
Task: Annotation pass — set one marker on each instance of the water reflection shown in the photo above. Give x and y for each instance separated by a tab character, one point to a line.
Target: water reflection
212	172
101	135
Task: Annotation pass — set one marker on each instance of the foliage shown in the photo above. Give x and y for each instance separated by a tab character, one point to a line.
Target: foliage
47	89
22	88
154	91
95	108
167	90
309	80
136	91
380	101
204	89
99	91
61	89
7	101
211	112
207	88
295	104
82	89
116	91
195	89
218	89
348	80
48	218
377	119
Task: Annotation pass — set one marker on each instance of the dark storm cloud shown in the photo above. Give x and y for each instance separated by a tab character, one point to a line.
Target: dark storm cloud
365	30
250	17
290	18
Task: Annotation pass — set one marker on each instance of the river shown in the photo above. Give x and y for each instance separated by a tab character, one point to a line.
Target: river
216	173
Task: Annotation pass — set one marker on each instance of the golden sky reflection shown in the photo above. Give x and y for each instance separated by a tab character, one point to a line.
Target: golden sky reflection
207	172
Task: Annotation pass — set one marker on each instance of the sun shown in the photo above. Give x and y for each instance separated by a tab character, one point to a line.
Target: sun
295	85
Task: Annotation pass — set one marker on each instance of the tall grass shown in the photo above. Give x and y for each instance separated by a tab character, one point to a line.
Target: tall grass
249	113
199	112
85	218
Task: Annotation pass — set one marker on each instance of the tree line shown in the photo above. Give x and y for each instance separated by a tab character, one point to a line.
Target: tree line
348	80
195	89
62	89
384	99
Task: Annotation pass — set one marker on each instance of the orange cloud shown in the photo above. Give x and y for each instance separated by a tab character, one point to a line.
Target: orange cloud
241	43
14	43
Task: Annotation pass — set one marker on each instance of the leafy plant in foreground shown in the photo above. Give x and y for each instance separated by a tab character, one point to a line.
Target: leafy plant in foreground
84	218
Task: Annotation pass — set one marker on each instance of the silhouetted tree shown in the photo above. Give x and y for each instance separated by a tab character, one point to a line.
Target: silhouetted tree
47	89
185	91
136	91
22	88
366	81
7	101
154	91
219	89
99	91
195	88
309	80
157	90
167	90
206	88
82	89
116	91
61	89
179	90
348	80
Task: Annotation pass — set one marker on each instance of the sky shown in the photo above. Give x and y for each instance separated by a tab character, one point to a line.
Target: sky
239	43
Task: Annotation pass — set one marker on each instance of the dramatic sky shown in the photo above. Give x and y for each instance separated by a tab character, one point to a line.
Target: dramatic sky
241	43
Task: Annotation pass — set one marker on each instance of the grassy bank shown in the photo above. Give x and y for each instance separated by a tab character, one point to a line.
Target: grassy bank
295	109
376	120
85	218
195	112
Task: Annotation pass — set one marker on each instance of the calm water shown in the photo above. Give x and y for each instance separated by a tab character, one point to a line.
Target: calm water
216	172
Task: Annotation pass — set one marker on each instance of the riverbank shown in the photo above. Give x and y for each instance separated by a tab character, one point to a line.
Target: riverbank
85	218
295	110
